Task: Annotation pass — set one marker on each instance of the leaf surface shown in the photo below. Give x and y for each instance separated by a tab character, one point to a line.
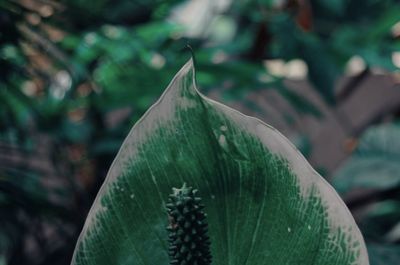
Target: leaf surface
265	203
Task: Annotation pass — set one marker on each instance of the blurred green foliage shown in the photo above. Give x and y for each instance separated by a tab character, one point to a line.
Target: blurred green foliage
377	154
375	166
75	75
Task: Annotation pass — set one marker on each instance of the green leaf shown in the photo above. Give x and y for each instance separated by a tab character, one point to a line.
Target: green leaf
265	204
375	164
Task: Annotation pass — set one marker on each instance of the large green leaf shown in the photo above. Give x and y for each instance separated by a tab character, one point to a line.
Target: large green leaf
265	203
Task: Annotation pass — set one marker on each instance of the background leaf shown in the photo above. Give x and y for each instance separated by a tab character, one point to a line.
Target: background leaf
375	164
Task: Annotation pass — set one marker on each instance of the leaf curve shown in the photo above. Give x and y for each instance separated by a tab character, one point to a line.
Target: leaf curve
265	203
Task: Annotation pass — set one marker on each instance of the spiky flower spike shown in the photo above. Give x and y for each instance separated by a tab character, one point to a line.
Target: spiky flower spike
189	243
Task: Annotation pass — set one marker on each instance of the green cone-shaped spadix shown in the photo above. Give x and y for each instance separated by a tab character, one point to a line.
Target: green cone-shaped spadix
188	239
